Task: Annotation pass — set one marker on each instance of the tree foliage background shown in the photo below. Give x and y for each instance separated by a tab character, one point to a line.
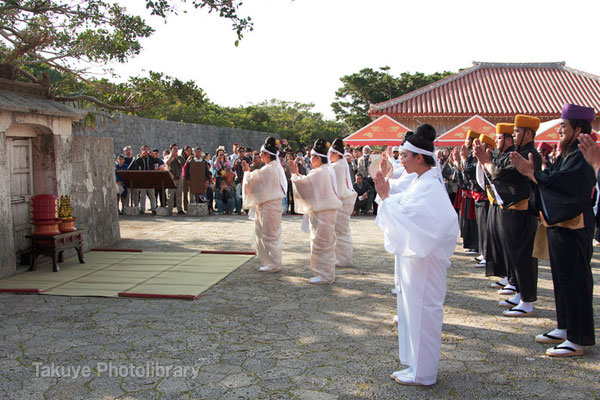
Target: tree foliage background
55	42
369	86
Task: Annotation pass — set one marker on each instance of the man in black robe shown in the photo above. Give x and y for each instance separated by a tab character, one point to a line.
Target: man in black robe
516	220
468	222
497	259
479	198
563	197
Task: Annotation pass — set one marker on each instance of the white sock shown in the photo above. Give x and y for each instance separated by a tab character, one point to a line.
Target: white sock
525	306
566	343
516	298
509	286
560	333
504	281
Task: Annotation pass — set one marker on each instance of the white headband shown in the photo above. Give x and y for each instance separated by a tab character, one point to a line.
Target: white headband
414	149
264	150
331	149
331	170
314	153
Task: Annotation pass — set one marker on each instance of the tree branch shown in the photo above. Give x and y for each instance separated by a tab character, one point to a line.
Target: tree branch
27	75
94	100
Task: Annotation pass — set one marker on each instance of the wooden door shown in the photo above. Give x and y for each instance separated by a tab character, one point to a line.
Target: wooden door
21	188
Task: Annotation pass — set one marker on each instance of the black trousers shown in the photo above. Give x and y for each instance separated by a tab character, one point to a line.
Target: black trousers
481	210
290	198
517	235
468	228
570	255
497	262
373	203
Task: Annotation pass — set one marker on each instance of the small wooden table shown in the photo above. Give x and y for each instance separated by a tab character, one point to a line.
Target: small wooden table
54	245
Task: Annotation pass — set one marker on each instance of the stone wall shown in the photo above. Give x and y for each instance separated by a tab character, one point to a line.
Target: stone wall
82	167
86	172
135	132
7	245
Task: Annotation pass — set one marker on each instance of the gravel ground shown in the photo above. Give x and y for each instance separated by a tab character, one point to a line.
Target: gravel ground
274	336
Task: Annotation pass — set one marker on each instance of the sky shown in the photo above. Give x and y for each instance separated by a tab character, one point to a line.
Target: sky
300	49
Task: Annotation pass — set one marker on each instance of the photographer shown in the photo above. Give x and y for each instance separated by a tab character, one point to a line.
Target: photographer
237	164
256	163
225	198
365	195
222	166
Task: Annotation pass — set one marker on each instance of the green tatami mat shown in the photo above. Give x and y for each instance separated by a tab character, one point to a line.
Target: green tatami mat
148	274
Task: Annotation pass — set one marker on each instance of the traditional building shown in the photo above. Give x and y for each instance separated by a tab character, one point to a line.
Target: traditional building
496	92
457	135
383	131
39	155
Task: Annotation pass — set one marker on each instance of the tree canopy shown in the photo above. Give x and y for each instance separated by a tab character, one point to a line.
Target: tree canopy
71	35
160	96
369	86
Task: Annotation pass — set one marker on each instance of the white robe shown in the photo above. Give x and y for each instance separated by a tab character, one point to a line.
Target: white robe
343	234
399	182
420	229
315	198
262	192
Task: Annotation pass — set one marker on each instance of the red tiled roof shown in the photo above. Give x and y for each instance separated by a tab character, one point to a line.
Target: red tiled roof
499	89
383	131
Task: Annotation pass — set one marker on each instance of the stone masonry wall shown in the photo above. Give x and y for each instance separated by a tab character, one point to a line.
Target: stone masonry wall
135	132
7	253
86	171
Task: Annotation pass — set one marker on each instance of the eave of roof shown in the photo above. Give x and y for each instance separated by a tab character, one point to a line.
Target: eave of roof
15	102
484	89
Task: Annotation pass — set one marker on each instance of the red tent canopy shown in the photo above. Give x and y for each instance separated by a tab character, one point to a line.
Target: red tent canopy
383	131
456	136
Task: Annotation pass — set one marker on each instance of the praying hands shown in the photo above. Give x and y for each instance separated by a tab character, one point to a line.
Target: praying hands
382	186
590	151
525	167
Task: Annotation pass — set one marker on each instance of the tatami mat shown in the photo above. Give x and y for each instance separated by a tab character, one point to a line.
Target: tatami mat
113	274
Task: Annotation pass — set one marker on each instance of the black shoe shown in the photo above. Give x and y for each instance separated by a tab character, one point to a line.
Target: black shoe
153	212
181	212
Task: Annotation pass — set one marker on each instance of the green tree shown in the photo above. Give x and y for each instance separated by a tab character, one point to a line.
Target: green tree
369	86
70	35
292	120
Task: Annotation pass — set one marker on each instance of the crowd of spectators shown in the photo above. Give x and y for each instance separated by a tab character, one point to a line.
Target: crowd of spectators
224	175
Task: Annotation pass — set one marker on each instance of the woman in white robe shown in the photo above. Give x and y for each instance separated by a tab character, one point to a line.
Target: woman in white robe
399	182
316	198
347	195
262	192
421	230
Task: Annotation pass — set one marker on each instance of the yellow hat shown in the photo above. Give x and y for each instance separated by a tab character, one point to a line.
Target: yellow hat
505	129
487	140
471	135
525	121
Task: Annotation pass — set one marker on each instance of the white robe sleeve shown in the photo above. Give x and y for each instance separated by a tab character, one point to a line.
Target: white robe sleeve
417	221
